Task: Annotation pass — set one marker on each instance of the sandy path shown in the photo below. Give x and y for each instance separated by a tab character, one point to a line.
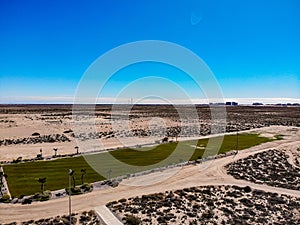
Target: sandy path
206	174
291	158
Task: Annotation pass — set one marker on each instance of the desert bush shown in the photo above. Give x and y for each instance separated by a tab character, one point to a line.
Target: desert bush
132	220
68	131
247	189
74	191
19	159
42	196
208	214
86	187
27	201
5	198
122	200
21	196
112	183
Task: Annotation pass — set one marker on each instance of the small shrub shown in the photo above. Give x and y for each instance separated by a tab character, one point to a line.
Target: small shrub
247	189
122	200
68	131
132	220
21	196
19	159
5	198
74	191
42	196
27	201
86	187
208	214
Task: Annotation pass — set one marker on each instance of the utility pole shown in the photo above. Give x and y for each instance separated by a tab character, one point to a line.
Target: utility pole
70	218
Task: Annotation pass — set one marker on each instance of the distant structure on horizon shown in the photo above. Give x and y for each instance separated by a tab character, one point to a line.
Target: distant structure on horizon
226	103
257	103
277	104
253	104
232	103
288	104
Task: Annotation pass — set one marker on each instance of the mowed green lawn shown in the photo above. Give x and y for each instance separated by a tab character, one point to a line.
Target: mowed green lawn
23	177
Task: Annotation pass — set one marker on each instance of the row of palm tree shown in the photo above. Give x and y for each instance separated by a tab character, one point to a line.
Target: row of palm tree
43	180
72	174
76	147
56	149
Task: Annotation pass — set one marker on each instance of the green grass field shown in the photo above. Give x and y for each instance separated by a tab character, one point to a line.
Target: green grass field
23	177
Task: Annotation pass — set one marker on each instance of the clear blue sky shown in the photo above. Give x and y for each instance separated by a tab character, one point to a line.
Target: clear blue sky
252	47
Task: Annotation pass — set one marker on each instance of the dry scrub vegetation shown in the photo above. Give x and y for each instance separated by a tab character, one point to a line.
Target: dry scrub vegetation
210	205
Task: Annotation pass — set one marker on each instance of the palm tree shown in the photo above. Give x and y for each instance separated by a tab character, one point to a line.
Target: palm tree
72	174
76	147
83	172
55	150
42	181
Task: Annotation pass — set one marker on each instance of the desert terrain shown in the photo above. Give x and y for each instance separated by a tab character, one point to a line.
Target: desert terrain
25	130
259	185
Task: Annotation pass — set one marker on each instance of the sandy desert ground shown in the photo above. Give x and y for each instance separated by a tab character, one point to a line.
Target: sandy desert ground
208	173
25	129
18	123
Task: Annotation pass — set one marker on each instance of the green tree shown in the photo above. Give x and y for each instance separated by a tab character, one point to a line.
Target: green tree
42	181
72	174
83	172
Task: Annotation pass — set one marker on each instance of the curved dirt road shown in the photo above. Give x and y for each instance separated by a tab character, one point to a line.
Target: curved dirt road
208	173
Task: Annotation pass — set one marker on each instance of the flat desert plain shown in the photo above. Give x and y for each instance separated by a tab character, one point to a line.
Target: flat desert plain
259	185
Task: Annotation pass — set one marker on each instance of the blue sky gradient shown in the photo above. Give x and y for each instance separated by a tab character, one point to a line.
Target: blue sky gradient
252	47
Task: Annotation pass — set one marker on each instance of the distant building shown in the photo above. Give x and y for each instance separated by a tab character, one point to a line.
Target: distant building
231	103
257	103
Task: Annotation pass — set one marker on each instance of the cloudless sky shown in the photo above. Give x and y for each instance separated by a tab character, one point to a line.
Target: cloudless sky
252	47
